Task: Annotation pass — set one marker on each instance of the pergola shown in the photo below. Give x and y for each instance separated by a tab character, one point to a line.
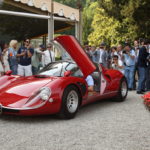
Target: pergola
56	16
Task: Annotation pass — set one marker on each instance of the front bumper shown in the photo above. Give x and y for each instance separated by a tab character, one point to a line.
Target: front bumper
41	109
4	109
8	110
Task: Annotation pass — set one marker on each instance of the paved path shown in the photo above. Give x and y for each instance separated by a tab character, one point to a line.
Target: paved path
101	126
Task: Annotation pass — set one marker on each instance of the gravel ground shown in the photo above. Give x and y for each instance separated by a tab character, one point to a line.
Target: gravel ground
103	125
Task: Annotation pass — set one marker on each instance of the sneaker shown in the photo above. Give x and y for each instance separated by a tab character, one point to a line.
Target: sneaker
139	92
143	90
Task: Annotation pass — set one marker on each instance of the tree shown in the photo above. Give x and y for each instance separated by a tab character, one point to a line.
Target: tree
72	3
104	29
134	14
88	15
87	6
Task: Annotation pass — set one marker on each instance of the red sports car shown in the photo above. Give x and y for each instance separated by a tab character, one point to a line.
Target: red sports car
60	87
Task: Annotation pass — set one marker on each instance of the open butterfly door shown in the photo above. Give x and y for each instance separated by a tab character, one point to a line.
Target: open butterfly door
103	82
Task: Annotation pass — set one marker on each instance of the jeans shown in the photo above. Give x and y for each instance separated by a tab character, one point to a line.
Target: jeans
129	74
35	70
142	77
14	69
136	75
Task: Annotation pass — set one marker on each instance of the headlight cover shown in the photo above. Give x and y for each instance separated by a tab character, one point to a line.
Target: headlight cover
45	93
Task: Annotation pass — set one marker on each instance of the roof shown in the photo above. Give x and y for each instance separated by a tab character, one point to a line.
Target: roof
28	27
46	7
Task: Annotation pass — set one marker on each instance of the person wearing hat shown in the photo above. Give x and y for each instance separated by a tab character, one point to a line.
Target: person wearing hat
49	55
103	54
36	59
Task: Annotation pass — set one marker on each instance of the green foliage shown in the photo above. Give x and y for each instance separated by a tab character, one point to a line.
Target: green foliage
73	3
104	29
113	21
132	14
88	14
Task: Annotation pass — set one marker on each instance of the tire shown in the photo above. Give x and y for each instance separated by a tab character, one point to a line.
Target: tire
123	91
70	102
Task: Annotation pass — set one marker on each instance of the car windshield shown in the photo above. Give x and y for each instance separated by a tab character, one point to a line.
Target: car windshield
57	69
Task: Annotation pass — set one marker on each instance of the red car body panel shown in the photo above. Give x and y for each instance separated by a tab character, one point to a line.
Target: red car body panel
72	46
18	101
17	93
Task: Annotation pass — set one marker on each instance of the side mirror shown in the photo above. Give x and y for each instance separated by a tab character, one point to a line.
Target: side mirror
67	73
8	73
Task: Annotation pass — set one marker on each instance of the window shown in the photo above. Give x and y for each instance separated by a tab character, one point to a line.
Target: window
57	69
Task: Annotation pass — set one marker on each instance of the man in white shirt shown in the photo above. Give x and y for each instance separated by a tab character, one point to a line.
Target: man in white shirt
49	55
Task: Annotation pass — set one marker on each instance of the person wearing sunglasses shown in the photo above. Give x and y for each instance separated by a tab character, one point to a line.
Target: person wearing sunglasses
24	54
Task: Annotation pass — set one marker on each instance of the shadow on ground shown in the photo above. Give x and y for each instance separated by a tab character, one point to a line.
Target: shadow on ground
90	108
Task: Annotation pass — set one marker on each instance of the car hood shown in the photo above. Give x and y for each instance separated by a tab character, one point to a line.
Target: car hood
72	46
20	89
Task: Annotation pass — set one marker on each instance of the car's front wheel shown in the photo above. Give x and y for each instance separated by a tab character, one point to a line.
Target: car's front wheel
123	90
70	102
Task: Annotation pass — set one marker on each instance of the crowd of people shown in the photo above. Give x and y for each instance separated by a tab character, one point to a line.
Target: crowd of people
132	60
26	60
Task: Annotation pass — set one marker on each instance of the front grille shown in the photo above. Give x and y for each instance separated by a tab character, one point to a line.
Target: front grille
7	110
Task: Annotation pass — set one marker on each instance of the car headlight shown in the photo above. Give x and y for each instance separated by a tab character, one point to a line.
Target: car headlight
45	93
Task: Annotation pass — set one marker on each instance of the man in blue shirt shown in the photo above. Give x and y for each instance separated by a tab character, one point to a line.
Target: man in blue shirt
25	53
129	58
90	83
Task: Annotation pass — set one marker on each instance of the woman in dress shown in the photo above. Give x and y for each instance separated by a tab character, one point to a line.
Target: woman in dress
12	52
5	58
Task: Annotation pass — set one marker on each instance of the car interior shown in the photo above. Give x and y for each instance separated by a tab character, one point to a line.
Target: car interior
96	75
